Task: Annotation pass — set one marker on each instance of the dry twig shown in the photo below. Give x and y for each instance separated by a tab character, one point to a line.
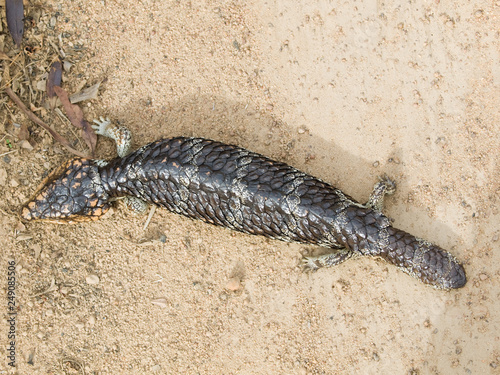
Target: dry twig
39	122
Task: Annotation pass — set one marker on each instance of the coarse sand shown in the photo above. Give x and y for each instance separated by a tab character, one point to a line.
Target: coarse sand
346	91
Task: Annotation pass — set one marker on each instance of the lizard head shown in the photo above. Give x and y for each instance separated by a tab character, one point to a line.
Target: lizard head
71	193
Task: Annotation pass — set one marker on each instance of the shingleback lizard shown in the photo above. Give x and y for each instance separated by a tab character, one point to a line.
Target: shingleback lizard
232	187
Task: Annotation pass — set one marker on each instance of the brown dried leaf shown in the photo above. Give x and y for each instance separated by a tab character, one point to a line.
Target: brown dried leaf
86	94
14	10
75	115
54	79
39	122
24	133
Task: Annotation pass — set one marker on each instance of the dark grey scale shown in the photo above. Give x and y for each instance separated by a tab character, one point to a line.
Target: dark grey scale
173	153
224	216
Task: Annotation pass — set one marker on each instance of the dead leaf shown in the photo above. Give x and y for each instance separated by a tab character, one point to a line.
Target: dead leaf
86	94
14	10
75	115
24	133
39	122
24	237
54	79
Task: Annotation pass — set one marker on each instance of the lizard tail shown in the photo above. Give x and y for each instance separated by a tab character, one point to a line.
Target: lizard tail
427	262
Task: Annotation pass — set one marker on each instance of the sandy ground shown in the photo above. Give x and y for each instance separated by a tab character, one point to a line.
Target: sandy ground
346	91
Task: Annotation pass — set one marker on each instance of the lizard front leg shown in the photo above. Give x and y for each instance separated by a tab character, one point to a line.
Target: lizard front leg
123	140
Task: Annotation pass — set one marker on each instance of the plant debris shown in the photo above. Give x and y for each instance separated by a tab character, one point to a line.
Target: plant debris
75	115
14	10
37	121
86	94
54	79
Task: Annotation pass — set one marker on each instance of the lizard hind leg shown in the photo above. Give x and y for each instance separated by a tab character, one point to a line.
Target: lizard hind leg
136	205
385	186
327	260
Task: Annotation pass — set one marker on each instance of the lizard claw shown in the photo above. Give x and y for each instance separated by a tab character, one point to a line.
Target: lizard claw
101	125
309	265
390	185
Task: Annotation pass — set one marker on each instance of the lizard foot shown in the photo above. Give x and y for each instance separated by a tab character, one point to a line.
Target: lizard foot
136	205
327	260
309	265
101	127
381	188
120	134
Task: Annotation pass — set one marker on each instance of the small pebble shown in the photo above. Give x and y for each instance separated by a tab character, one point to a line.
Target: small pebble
41	85
14	183
67	66
162	302
91	320
37	249
156	368
20	227
31	356
26	145
233	284
483	276
92	279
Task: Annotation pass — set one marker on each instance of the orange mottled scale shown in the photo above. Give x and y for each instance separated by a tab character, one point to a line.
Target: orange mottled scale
71	193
